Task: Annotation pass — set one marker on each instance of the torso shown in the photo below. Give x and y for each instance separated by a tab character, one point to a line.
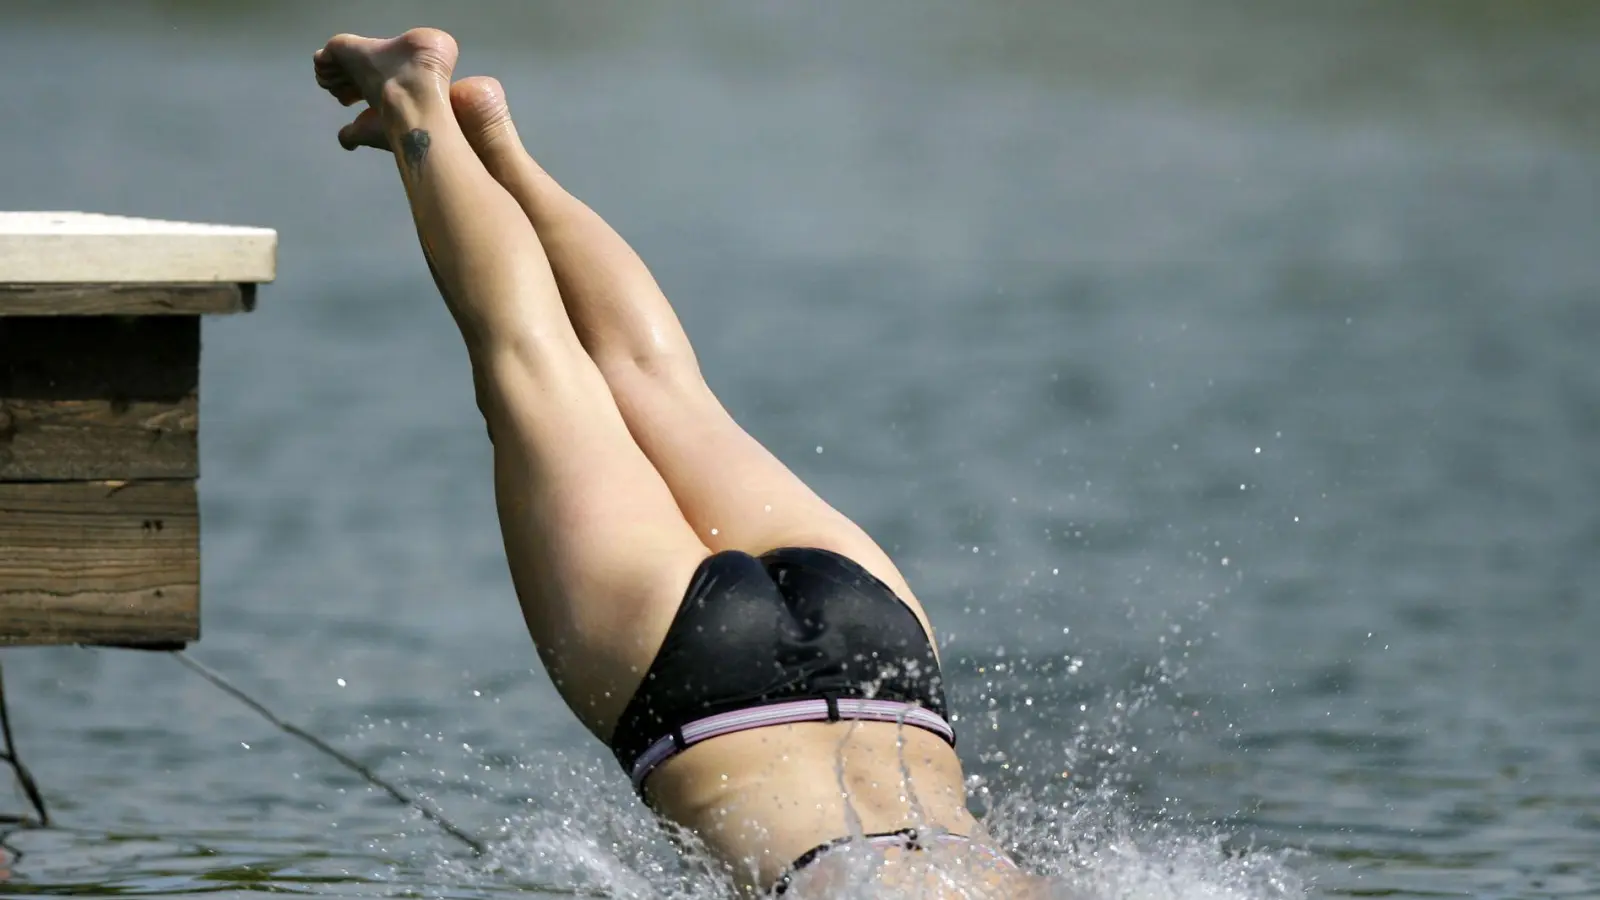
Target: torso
798	636
761	798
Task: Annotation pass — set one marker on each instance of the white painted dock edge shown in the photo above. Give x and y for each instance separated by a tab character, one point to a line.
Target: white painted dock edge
90	248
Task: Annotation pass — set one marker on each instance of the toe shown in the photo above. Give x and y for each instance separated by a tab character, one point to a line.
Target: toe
365	131
347	94
332	78
345	41
326	60
342	90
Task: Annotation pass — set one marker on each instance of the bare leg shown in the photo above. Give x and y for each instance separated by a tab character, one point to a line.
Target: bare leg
599	552
733	491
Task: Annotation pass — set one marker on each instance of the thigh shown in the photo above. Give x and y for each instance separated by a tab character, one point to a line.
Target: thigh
733	491
599	552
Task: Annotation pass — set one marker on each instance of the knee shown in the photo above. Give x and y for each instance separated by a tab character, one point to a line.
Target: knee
514	370
654	369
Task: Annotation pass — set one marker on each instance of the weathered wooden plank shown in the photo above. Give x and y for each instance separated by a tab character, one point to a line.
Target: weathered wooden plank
99	398
125	299
80	248
76	440
99	563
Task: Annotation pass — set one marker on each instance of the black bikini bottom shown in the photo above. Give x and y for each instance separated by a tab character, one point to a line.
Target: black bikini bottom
795	635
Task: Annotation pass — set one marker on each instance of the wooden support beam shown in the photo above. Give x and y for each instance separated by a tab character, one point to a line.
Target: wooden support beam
99	419
99	398
99	563
125	299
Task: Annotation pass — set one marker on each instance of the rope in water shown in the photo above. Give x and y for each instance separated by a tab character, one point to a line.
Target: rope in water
31	788
428	812
24	777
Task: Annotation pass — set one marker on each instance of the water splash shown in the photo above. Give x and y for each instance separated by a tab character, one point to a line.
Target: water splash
1093	847
1063	753
1098	846
587	835
1092	836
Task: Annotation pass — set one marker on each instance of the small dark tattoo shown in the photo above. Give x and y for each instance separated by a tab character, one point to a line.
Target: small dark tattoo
414	149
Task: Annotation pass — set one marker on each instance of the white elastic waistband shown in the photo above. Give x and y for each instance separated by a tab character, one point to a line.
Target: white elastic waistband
787	713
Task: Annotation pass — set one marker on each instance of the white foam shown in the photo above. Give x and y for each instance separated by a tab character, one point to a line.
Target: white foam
591	836
590	840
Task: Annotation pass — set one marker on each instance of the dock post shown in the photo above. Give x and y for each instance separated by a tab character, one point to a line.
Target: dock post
99	420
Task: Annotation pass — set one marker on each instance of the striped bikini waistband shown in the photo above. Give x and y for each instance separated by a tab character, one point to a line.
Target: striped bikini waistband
825	709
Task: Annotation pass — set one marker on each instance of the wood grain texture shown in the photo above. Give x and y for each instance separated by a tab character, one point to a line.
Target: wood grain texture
125	299
99	563
78	440
99	398
79	247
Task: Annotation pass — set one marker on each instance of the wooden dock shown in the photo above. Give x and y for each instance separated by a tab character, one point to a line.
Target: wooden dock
99	419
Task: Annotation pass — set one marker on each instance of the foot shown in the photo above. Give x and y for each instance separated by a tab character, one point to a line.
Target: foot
384	73
480	106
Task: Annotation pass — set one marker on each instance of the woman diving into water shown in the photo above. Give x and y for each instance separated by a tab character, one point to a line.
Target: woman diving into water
754	660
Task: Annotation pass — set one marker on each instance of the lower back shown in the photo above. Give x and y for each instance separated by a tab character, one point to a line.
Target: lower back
761	798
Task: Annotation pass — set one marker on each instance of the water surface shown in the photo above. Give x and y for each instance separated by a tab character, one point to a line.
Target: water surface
1223	376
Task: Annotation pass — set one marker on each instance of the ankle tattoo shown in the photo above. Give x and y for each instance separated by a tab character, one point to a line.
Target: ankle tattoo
414	149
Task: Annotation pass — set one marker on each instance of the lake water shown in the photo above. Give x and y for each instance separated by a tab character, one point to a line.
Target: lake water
1223	375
